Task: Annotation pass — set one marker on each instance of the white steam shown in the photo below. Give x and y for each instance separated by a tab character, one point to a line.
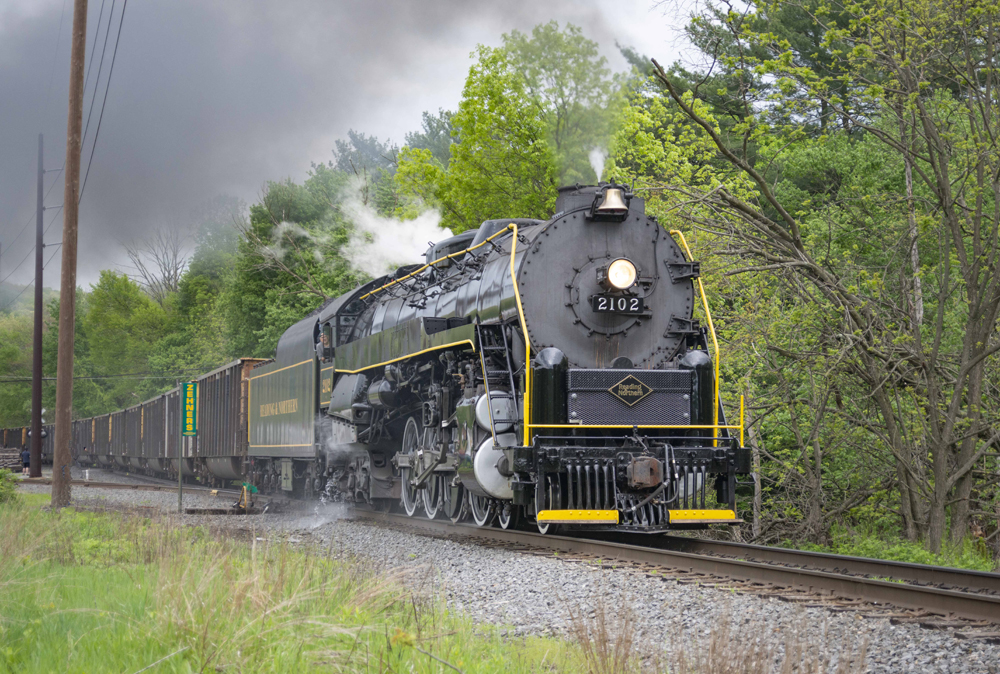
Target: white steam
283	240
597	157
379	244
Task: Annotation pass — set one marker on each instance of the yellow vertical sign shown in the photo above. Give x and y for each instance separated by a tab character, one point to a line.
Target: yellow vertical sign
189	408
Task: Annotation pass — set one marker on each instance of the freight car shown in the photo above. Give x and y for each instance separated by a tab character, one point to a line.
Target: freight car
20	437
549	371
145	438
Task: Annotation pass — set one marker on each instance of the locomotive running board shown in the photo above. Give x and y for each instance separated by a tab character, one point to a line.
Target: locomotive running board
578	516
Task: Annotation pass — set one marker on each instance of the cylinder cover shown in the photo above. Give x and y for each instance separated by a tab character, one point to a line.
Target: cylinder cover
484	464
502	409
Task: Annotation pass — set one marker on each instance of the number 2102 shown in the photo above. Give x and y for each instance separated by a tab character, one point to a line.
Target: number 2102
617	305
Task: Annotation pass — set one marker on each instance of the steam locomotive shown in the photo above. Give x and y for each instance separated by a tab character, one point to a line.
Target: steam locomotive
546	371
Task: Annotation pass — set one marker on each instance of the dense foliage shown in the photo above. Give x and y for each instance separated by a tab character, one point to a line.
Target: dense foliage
835	170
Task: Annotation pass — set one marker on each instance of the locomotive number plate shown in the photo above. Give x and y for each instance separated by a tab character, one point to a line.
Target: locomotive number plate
611	304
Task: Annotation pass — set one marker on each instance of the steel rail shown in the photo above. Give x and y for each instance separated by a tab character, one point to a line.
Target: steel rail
928	599
965	579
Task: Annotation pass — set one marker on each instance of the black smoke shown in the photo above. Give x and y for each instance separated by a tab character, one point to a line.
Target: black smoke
216	98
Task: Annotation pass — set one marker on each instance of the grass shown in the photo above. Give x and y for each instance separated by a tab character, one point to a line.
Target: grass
121	592
98	592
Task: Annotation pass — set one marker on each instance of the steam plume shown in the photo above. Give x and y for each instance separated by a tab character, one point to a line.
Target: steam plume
597	157
379	244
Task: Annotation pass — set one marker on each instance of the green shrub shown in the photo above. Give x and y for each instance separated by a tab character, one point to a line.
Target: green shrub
877	544
8	486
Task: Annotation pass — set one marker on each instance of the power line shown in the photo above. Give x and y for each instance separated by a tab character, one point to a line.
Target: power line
25	228
54	216
55	55
100	66
11	303
111	71
97	34
54	253
32	249
18	265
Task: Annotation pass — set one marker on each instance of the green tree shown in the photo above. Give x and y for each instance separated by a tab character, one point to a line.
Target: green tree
15	363
568	79
288	261
123	325
90	395
436	135
373	164
909	265
502	167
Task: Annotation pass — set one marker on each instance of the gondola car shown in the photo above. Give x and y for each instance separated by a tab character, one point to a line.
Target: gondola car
20	437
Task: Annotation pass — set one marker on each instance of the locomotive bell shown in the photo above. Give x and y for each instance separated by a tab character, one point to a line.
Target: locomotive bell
610	205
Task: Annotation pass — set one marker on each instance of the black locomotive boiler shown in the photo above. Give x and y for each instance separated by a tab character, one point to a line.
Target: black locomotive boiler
542	369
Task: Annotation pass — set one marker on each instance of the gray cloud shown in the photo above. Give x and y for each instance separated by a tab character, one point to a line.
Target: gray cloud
214	98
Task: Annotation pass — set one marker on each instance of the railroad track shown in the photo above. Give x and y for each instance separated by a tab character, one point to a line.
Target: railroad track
969	601
915	574
171	485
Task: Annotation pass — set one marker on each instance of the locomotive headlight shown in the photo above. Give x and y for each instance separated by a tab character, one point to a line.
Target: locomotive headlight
621	274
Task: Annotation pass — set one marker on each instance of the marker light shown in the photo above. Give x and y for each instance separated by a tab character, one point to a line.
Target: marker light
621	274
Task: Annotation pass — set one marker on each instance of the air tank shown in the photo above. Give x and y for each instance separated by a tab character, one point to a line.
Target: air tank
548	387
702	386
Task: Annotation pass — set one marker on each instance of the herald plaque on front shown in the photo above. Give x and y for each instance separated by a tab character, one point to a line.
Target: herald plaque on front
630	390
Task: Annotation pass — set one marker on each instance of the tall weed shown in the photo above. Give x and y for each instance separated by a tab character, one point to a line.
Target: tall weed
605	635
756	651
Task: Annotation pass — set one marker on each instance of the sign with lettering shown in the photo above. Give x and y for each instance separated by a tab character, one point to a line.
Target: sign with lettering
289	406
189	408
630	390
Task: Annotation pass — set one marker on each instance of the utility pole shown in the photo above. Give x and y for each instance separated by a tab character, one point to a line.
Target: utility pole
67	283
36	365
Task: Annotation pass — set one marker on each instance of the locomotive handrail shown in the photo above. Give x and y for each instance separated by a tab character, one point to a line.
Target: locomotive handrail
711	327
526	403
668	426
440	259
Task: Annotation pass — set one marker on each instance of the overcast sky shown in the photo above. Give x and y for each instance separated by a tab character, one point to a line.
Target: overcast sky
213	98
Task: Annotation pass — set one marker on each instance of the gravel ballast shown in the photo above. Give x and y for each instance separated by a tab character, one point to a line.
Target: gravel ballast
527	594
96	497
